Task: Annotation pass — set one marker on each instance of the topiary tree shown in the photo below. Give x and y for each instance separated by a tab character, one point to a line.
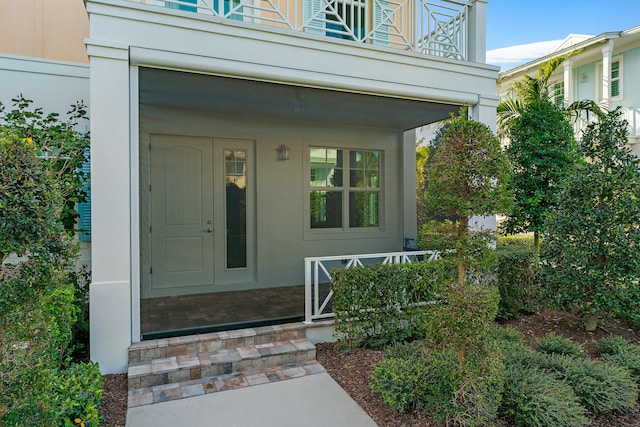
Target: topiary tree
593	235
467	176
542	151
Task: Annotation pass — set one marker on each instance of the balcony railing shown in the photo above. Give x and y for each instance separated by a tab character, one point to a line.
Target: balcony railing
433	27
630	114
317	272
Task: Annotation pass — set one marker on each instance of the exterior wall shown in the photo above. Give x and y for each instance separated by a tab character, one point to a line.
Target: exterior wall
53	86
283	235
53	29
585	81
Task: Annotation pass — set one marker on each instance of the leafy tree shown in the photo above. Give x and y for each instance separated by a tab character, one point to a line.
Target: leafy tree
542	151
59	143
593	235
467	176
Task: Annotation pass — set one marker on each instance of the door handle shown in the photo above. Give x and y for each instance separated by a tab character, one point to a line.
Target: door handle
209	230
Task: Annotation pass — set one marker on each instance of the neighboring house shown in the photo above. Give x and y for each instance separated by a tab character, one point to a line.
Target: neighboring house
232	139
44	58
605	70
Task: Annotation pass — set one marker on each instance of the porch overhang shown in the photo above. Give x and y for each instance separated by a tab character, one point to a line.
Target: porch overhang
158	38
190	91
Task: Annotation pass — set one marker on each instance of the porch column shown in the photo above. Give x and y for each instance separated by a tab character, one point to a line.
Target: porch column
607	52
485	111
477	32
568	82
110	290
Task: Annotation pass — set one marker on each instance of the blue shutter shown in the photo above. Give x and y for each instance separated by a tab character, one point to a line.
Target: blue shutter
84	208
313	9
381	30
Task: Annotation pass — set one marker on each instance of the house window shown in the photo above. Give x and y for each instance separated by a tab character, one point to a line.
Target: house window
616	79
558	94
235	178
342	193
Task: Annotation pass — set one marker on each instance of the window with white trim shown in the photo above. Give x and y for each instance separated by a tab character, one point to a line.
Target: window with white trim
558	94
616	78
344	188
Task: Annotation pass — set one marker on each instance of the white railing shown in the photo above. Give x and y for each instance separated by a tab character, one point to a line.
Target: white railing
317	272
630	114
432	27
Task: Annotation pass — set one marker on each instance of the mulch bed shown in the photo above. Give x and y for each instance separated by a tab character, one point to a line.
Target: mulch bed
352	370
113	407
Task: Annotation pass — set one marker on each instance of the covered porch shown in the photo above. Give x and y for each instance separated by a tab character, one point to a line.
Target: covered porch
193	194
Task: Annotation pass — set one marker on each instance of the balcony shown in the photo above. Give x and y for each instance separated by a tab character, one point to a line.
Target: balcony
451	29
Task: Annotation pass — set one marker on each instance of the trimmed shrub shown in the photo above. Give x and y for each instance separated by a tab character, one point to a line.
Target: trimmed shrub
533	397
507	334
621	352
464	316
413	377
553	344
601	387
378	305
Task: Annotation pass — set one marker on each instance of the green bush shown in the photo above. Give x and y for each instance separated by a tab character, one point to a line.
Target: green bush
413	377
37	301
518	277
601	387
533	397
464	316
508	334
592	237
35	386
553	344
416	380
620	351
377	305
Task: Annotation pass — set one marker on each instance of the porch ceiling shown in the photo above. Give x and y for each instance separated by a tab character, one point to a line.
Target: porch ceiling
177	89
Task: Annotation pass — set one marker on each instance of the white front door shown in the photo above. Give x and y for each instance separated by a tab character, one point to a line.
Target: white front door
182	222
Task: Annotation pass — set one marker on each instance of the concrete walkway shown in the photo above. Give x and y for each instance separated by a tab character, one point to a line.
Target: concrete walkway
310	401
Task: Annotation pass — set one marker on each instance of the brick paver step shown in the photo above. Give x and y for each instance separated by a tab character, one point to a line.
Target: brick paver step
213	361
218	383
193	345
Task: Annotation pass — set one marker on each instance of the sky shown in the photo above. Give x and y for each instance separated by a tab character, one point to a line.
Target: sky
521	30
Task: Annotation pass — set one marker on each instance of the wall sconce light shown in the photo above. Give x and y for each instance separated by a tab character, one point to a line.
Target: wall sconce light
582	78
283	152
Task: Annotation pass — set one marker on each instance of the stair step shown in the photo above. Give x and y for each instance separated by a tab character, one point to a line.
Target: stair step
193	345
220	361
206	385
